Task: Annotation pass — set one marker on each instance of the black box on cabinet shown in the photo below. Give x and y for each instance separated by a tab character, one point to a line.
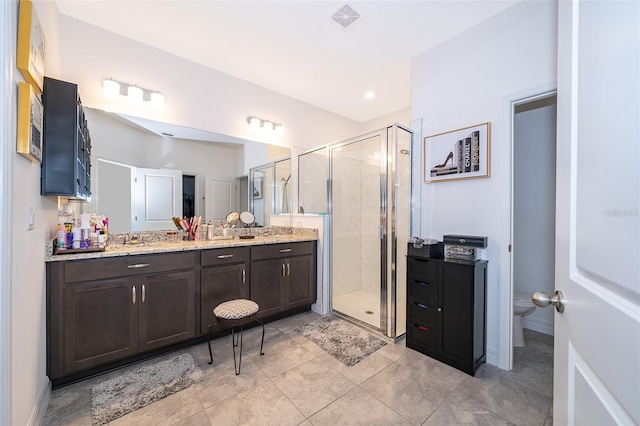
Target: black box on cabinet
465	240
430	251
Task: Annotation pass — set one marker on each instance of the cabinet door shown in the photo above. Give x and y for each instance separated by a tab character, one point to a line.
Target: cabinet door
299	288
100	323
266	285
219	284
456	317
167	309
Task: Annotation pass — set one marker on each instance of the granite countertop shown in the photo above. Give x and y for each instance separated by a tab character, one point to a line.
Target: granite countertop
119	249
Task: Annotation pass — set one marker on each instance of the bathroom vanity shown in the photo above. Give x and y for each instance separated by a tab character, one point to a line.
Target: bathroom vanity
127	303
446	310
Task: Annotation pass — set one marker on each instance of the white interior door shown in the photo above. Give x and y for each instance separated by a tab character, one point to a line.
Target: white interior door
158	195
218	198
597	338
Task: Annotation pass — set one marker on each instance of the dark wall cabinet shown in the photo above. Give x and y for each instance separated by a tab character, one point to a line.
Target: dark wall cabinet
66	156
446	310
283	276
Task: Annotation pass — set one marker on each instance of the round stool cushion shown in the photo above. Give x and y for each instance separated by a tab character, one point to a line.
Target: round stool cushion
236	309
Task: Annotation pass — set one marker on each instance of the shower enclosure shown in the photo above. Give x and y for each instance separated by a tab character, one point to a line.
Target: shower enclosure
370	208
270	190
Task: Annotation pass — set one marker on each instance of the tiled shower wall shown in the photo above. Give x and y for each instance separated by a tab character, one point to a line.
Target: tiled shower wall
356	243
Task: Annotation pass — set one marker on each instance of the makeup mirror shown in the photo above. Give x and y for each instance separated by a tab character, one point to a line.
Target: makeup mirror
232	218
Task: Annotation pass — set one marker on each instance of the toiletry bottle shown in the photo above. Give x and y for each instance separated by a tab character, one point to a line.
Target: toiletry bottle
61	241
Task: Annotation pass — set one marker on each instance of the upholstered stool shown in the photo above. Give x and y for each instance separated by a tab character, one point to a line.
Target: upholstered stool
237	313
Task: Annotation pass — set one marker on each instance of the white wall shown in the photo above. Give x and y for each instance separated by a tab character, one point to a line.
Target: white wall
472	79
196	96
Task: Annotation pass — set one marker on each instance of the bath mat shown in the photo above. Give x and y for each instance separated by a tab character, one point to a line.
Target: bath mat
121	395
348	343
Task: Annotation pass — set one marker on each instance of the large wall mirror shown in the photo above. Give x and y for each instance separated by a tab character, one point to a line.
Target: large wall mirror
145	172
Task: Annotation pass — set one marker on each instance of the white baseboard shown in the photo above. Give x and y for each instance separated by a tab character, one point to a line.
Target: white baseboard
492	356
535	324
37	416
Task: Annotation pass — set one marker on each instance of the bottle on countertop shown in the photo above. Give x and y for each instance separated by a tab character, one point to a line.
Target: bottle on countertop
61	237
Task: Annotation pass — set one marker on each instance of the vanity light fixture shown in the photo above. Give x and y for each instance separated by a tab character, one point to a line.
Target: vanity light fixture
267	125
113	89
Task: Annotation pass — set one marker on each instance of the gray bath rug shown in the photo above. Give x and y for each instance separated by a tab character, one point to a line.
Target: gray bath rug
121	395
346	342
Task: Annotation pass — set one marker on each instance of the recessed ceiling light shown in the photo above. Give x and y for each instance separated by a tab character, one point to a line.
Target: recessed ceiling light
369	95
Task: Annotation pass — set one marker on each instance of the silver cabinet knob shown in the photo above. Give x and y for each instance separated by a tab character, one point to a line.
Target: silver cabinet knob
542	299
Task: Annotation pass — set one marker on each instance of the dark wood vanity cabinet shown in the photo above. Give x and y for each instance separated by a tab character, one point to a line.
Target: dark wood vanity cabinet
224	276
103	310
283	276
108	311
446	310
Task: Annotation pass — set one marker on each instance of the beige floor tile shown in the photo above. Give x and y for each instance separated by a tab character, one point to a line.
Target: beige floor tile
357	407
409	392
166	411
222	382
281	357
458	410
198	419
361	371
328	385
263	404
438	372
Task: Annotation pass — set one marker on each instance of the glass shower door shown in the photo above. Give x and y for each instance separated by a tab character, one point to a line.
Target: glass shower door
357	210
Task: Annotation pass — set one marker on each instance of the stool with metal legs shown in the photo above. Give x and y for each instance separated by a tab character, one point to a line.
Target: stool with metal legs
237	313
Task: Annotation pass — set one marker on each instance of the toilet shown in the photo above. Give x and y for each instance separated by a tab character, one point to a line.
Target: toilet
522	306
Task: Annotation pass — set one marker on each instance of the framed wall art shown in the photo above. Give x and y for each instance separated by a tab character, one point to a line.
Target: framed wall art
31	46
257	188
458	154
29	131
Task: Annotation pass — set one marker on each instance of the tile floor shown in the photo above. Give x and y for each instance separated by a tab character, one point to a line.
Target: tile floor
297	383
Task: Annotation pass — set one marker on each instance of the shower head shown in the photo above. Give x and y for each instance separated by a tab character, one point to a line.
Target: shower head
404	151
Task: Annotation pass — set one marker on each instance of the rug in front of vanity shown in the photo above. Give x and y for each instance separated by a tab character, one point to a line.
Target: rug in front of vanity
121	395
348	343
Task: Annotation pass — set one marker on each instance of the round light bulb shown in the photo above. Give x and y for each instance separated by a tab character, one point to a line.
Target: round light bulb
254	122
157	100
135	93
267	125
111	88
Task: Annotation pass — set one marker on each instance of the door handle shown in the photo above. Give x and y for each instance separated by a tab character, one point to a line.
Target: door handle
542	299
244	277
288	269
144	293
133	294
283	269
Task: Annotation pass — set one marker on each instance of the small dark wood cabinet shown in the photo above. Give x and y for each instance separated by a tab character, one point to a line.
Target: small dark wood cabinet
446	310
283	276
66	156
224	276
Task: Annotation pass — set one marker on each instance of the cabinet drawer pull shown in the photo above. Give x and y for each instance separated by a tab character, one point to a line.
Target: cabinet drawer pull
138	265
439	309
225	256
422	327
287	250
144	293
422	283
244	277
422	305
133	294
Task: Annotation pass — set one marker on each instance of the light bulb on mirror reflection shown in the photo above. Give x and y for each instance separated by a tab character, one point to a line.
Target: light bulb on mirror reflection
135	93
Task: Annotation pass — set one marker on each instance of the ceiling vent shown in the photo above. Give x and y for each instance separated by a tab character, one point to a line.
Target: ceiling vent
345	17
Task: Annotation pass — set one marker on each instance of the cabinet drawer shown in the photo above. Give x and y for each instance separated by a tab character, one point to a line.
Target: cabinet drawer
422	334
423	313
426	292
225	256
125	266
272	251
426	269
